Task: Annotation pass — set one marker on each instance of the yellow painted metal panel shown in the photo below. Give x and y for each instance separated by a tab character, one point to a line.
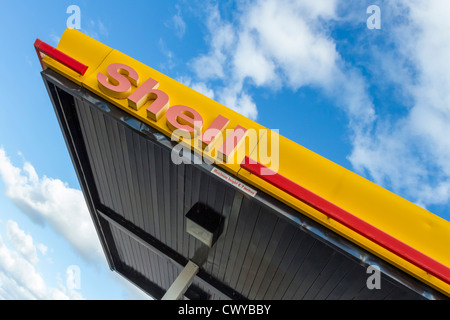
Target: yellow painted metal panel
81	47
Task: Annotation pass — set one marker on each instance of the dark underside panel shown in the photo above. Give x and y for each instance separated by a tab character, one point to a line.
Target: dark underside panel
138	199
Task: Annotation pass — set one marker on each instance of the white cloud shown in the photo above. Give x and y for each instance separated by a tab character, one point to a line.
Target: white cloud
178	24
274	44
19	278
169	64
278	44
289	35
198	86
412	153
235	98
29	282
42	248
48	202
51	201
102	28
221	40
250	61
21	241
209	66
95	29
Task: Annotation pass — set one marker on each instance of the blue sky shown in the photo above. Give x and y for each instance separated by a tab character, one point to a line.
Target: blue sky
376	101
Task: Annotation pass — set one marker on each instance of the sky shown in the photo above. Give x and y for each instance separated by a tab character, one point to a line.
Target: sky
365	84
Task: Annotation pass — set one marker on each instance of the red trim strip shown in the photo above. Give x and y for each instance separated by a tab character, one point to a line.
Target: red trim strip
44	48
352	222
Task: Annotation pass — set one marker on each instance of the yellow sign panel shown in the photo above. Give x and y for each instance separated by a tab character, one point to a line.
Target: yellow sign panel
225	137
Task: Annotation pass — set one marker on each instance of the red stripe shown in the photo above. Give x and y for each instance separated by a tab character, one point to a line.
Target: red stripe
75	65
352	222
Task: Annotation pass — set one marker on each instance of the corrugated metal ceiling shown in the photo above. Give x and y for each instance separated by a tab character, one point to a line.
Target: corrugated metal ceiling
138	199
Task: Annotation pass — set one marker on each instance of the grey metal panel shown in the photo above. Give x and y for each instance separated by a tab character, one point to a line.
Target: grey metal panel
281	272
262	277
274	263
299	261
141	186
164	162
152	188
338	273
106	135
186	204
313	264
213	293
290	263
133	174
148	205
261	254
103	153
229	233
99	171
258	246
219	252
180	192
121	164
334	262
250	215
143	261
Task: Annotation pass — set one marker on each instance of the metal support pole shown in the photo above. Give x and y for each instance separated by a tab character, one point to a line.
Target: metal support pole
182	282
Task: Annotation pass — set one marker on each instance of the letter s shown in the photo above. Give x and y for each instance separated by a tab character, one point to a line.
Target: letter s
118	82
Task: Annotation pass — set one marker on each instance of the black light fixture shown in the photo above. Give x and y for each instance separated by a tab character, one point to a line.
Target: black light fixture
203	223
